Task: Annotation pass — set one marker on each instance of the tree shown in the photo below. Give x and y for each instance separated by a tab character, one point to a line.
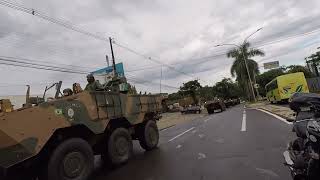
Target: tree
314	60
226	89
174	96
238	67
131	89
190	88
206	93
298	68
266	77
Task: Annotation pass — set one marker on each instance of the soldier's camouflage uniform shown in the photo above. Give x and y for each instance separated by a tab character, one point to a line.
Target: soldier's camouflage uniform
93	86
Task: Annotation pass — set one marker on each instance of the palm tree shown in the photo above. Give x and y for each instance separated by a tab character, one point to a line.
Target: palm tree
238	67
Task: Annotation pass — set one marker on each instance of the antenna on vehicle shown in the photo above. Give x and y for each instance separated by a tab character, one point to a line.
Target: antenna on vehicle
113	60
107	59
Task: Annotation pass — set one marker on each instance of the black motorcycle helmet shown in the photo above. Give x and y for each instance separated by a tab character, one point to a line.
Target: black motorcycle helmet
301	101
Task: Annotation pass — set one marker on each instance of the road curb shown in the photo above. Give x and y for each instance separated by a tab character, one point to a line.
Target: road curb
275	114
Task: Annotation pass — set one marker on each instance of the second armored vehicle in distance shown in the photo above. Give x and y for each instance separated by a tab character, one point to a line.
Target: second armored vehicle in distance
213	105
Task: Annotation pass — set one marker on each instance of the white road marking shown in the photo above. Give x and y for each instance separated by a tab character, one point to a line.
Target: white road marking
219	141
268	172
181	134
194	131
244	120
201	136
274	115
167	128
207	119
179	146
201	156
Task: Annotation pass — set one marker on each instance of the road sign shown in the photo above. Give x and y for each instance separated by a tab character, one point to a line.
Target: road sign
271	65
105	74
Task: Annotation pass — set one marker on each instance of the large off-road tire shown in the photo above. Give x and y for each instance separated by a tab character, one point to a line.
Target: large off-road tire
148	135
313	170
119	148
73	159
210	111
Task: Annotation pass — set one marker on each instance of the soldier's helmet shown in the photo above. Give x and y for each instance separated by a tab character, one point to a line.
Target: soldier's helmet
90	78
67	92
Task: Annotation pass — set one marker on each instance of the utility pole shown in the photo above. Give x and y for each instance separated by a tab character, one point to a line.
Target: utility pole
314	60
113	60
160	78
255	83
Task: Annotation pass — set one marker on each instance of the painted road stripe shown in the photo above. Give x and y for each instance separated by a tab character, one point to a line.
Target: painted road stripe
164	129
274	115
244	120
181	134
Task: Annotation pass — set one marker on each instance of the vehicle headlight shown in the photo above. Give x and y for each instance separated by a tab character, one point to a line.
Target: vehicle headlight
313	138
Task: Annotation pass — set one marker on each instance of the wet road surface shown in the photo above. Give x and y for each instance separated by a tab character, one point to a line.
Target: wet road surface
236	144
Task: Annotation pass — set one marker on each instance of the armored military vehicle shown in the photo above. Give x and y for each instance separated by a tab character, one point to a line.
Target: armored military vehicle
216	104
56	139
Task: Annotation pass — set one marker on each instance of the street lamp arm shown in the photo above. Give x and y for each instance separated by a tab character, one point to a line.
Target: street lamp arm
245	40
227	45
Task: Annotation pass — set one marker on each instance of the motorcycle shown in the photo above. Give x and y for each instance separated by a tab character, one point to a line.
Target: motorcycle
302	154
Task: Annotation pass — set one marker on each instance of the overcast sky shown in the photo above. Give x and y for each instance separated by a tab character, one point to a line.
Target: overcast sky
178	32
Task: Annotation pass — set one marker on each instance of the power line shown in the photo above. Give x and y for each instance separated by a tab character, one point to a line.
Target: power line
139	81
29	62
55	52
151	59
288	52
73	27
10	62
16	63
60	22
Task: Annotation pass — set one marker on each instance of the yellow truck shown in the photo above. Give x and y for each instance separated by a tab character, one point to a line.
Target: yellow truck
282	87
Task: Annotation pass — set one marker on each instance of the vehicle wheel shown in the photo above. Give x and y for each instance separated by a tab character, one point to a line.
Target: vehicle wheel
72	160
210	111
149	135
119	147
313	170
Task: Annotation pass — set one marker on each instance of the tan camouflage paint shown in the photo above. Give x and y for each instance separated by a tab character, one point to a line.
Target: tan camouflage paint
35	125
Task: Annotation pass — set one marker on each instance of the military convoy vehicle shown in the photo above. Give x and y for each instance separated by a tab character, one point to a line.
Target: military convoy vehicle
215	104
57	138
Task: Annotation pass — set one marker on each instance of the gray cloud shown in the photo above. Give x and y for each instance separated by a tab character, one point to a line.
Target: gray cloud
178	32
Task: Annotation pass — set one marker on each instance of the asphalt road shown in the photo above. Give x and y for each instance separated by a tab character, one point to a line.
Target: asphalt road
221	146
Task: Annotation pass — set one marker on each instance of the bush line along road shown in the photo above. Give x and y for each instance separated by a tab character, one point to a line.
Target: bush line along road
240	143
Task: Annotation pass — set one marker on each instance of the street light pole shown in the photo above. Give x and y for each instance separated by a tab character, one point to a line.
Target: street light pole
245	60
161	79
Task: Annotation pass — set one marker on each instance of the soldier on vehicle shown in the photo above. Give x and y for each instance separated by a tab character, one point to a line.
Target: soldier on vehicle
76	88
67	92
92	83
